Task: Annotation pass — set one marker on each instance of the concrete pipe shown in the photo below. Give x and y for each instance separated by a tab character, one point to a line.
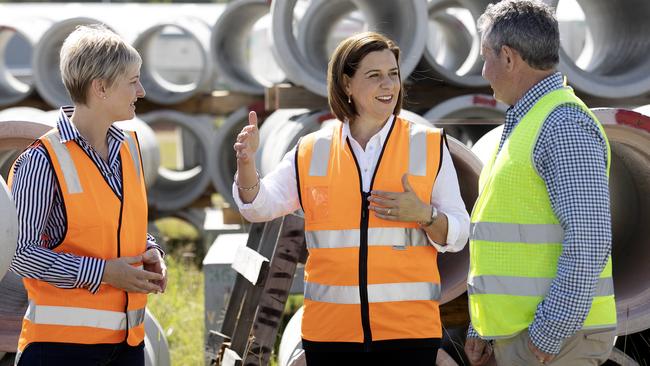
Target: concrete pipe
453	46
467	117
404	21
45	61
241	50
18	37
161	75
155	343
8	228
629	137
281	132
149	148
20	126
608	67
176	189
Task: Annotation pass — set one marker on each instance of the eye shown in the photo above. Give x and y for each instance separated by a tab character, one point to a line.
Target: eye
373	76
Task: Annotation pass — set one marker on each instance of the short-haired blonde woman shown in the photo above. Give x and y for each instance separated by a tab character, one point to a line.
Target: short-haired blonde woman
83	249
381	200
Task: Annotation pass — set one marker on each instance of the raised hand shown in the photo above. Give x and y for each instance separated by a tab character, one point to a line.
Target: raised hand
248	140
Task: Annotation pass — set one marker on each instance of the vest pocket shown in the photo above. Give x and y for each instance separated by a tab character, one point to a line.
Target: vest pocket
318	200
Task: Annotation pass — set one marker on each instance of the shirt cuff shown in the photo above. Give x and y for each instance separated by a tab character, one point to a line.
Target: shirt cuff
471	332
151	244
258	201
452	236
90	274
542	341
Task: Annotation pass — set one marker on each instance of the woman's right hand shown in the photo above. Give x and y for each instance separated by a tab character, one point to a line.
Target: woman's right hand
248	140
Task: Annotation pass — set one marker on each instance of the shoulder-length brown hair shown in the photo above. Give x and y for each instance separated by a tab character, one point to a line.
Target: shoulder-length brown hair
345	61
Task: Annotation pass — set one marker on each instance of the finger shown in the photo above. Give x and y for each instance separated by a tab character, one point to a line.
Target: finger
132	260
252	118
386	217
151	256
385	195
149	275
406	184
381	201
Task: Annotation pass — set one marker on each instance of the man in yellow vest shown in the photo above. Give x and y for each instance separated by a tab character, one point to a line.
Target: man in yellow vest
540	281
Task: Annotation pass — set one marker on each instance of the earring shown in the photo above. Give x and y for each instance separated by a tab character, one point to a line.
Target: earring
349	100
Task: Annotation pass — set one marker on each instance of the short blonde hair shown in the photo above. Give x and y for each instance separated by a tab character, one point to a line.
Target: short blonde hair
94	52
345	61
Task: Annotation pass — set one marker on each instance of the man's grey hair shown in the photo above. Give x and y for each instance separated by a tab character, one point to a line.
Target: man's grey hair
527	26
94	52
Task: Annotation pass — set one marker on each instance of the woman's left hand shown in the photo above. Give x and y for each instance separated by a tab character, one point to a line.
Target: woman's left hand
154	262
400	206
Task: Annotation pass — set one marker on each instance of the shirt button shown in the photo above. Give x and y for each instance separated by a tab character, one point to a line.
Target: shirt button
110	175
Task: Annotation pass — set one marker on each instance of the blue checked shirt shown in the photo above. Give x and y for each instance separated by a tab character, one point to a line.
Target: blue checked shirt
571	157
41	217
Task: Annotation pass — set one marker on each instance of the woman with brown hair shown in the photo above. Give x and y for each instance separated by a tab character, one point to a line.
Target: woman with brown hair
381	199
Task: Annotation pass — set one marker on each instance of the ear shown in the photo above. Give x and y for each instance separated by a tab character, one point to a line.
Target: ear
98	88
510	57
346	84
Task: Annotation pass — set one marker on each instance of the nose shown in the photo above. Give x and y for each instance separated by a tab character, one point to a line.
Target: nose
387	82
140	92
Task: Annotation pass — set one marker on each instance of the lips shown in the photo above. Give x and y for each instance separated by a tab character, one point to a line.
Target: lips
384	98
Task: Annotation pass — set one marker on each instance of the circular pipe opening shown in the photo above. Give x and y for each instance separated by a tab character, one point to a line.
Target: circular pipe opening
45	61
605	65
404	22
181	179
176	60
241	49
453	45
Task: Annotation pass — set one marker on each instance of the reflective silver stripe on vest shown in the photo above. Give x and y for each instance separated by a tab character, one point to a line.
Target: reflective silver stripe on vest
320	156
64	158
517	233
136	317
83	317
134	151
525	286
378	236
417	150
407	291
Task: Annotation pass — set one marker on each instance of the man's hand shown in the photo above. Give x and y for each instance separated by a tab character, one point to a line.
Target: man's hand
121	273
478	351
542	357
153	262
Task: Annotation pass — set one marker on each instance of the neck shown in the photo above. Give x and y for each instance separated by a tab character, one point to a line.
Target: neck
91	125
526	81
362	129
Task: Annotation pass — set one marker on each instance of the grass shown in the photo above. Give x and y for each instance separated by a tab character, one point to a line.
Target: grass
180	311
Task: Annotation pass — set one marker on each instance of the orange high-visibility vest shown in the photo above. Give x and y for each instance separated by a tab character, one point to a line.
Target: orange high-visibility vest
99	225
370	283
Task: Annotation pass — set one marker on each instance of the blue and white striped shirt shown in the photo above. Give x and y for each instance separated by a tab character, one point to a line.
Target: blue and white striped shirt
571	157
41	216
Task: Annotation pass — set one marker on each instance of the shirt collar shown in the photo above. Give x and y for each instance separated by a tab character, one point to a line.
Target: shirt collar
522	106
68	131
382	134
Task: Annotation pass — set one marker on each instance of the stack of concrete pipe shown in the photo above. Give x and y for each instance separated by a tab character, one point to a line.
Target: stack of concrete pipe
300	36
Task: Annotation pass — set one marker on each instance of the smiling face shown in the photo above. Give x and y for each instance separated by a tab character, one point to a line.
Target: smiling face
374	88
122	95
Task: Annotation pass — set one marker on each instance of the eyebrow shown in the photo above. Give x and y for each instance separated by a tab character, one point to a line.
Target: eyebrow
377	70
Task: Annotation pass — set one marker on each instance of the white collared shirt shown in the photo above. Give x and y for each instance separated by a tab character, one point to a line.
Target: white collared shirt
278	194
